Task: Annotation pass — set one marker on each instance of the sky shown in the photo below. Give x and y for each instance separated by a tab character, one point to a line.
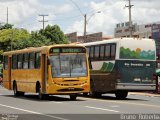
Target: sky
102	15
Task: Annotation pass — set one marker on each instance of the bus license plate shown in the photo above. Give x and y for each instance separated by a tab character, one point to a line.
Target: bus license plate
71	88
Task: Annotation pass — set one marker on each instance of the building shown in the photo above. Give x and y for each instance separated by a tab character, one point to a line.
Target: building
88	38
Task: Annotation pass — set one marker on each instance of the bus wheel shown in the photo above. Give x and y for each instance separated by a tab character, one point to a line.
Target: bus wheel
16	93
73	96
95	94
85	94
121	94
21	93
40	94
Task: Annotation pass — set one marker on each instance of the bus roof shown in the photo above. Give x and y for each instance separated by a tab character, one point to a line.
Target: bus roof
43	48
115	40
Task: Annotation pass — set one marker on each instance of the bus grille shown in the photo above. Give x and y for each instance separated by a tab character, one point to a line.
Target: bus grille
70	89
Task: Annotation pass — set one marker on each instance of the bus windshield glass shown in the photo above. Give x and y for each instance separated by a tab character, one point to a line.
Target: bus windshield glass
68	65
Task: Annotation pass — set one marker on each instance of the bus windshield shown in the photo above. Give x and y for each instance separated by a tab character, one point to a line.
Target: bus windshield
68	65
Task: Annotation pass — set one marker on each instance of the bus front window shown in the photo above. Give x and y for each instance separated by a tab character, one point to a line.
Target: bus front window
68	65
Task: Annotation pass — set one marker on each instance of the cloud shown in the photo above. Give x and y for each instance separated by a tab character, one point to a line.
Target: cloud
19	9
146	12
63	8
105	21
113	12
24	13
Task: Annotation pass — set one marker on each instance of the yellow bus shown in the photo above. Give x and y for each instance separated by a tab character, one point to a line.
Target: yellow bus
48	70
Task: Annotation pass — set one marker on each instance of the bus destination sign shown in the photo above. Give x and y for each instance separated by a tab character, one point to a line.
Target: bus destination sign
68	50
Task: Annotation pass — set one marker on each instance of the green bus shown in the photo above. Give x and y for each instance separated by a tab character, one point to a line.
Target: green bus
121	65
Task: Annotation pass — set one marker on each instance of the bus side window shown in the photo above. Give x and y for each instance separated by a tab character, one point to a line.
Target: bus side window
20	59
96	53
25	61
107	51
5	62
31	60
91	52
113	51
102	50
14	62
37	60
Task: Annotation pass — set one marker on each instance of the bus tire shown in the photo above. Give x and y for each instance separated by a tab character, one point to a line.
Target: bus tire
41	96
121	95
73	96
85	94
21	93
95	94
16	92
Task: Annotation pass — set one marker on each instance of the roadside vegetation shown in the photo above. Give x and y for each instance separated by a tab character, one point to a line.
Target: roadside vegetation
15	38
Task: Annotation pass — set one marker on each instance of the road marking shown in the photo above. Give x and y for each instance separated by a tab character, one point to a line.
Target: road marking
33	112
102	109
122	102
58	102
115	106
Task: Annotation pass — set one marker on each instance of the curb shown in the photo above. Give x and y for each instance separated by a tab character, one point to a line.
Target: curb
145	94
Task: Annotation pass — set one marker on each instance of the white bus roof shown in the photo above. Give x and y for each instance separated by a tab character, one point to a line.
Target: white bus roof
115	40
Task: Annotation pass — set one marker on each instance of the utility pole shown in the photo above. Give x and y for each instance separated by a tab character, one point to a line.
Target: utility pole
130	19
7	15
43	21
85	24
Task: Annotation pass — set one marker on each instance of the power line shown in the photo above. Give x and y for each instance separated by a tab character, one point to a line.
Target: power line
64	19
77	7
43	21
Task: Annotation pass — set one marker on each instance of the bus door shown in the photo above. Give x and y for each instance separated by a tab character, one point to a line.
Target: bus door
44	72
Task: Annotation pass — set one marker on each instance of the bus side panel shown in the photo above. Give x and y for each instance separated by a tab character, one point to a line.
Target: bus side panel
104	82
26	79
6	82
103	75
7	76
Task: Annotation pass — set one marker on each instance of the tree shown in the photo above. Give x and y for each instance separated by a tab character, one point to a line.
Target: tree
37	40
6	26
12	38
55	34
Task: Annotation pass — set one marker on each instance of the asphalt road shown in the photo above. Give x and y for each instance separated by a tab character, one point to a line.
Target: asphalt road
29	107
